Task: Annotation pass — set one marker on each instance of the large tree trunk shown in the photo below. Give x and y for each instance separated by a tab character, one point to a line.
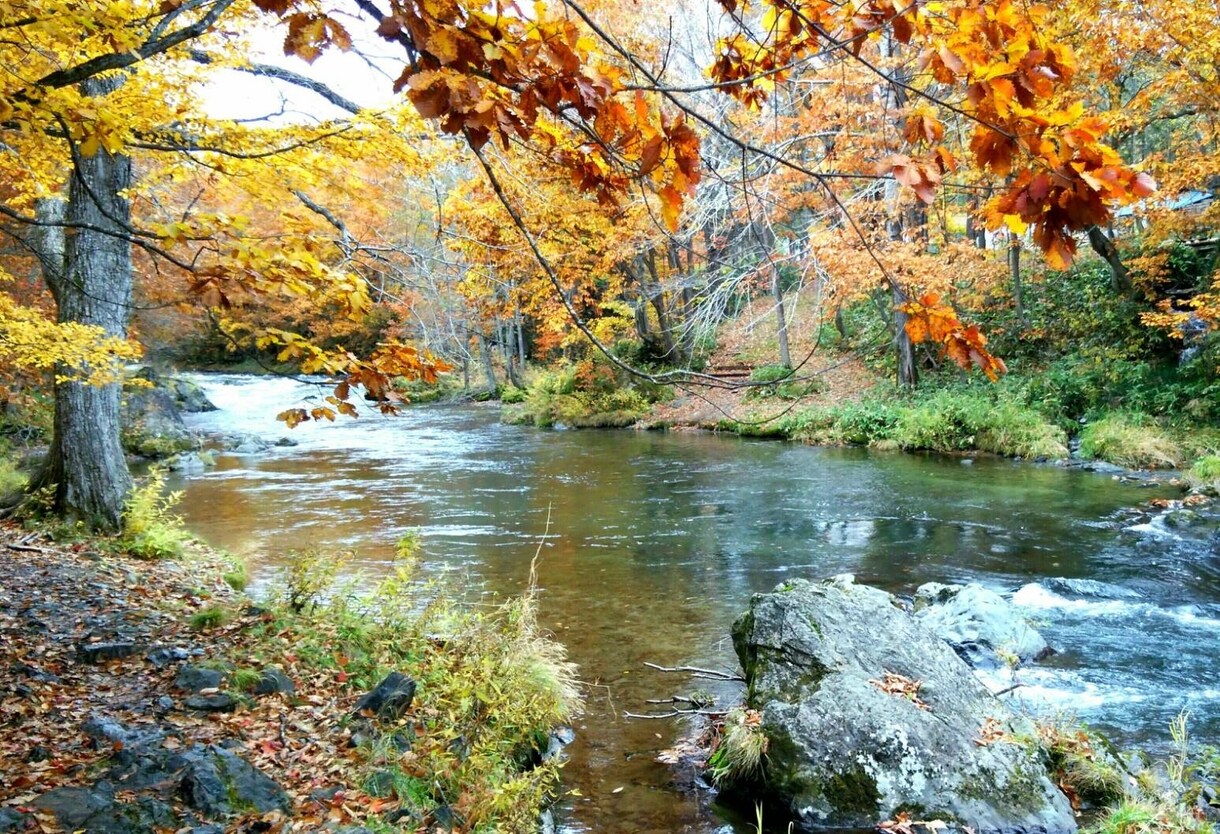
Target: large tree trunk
86	464
895	99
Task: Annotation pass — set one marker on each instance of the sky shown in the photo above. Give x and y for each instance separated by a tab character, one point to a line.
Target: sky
365	75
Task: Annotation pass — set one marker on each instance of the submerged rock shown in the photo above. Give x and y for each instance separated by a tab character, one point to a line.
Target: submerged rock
868	715
985	629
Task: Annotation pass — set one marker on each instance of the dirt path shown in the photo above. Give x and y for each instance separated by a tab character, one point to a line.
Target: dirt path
116	712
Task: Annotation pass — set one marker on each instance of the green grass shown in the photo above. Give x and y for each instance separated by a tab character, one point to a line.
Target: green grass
12	480
492	685
214	616
953	420
245	679
1130	440
1205	474
739	754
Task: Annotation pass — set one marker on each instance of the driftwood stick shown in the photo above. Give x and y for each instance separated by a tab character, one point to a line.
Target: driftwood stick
677	713
26	548
695	671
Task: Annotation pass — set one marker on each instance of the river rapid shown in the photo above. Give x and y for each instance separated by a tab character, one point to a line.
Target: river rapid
653	543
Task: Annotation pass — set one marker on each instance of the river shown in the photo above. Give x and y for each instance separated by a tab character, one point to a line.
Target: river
655	541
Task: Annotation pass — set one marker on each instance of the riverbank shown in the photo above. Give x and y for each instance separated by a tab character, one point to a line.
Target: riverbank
959	420
154	695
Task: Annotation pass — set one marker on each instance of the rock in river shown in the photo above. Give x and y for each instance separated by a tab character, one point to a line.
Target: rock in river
868	714
980	625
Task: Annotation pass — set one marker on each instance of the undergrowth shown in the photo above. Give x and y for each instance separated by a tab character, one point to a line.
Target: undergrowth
491	686
1137	795
588	394
12	479
1205	474
941	421
151	529
1130	440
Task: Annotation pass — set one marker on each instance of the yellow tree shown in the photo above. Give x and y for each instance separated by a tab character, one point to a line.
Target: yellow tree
92	93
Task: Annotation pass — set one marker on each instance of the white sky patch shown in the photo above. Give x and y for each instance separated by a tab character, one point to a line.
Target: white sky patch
365	75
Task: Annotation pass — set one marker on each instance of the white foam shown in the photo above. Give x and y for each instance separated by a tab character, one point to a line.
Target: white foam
1034	596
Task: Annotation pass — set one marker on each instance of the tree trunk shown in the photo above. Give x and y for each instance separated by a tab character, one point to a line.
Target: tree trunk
489	370
1120	278
781	320
656	295
520	327
86	464
908	373
1014	271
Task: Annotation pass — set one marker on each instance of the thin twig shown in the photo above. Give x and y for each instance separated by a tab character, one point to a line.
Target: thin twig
713	674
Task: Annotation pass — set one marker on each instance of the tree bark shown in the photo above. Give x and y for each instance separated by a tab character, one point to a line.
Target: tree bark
1014	271
489	370
908	372
520	327
656	295
92	286
781	320
1120	278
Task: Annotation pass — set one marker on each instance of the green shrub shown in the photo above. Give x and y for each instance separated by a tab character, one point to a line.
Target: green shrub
865	423
12	480
1129	440
585	396
949	421
419	392
308	575
151	530
237	576
780	381
1205	474
511	395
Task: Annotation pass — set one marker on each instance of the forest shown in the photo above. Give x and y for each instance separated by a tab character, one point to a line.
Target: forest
312	312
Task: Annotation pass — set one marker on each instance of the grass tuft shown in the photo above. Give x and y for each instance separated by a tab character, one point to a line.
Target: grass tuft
1205	474
739	755
1130	440
209	618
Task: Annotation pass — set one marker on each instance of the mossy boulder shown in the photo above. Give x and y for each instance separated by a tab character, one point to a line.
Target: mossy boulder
152	414
868	714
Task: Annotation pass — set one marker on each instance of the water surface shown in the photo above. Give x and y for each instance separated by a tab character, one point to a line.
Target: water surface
657	540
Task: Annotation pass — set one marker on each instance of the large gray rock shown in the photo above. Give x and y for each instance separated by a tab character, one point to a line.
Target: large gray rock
151	420
843	752
980	625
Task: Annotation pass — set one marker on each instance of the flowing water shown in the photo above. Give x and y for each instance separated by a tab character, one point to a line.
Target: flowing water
657	541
